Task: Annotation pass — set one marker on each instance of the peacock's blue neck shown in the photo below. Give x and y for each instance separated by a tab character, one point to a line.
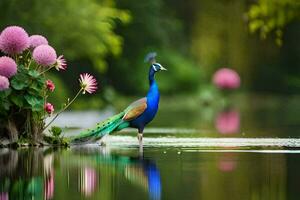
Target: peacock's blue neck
153	93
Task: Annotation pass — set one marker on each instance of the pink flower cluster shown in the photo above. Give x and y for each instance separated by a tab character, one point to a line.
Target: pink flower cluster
14	40
226	79
16	43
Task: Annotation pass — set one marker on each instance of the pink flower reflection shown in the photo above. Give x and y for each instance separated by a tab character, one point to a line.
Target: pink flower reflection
4	196
88	181
228	122
49	186
227	162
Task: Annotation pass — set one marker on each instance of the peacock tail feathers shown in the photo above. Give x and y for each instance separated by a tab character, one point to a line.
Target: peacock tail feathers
108	126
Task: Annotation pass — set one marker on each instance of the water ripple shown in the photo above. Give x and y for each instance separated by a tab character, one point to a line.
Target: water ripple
203	142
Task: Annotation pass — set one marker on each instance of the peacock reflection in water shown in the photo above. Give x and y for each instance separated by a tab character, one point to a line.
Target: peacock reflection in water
75	174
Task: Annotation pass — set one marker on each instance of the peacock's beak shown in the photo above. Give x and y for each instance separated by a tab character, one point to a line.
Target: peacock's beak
163	69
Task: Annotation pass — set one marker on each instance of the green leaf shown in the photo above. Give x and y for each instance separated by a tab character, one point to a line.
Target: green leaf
36	102
37	86
5	93
4	108
18	85
17	100
33	92
19	82
6	105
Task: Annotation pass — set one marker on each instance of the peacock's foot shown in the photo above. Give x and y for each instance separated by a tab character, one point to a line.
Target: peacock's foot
102	143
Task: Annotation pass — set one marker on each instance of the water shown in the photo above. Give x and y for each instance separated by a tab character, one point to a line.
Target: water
250	151
162	173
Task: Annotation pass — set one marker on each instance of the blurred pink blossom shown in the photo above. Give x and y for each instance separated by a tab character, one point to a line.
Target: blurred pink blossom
13	40
8	66
228	122
226	78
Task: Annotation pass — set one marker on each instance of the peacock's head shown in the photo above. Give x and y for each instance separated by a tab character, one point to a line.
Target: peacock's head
150	57
158	67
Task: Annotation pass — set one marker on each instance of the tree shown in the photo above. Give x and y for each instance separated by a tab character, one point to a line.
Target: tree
271	16
82	29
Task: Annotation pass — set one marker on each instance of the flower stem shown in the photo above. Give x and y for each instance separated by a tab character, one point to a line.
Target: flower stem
46	70
63	109
29	63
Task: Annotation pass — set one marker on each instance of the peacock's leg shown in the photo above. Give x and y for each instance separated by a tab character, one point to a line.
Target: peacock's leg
140	138
140	134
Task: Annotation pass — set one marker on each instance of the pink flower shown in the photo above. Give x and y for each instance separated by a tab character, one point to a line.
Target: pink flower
226	79
8	66
37	40
88	83
49	108
14	40
61	63
50	85
44	55
228	122
4	83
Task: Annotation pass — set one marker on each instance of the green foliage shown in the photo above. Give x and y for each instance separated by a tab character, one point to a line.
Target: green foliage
28	89
56	138
81	29
272	16
5	103
182	76
36	102
55	131
152	28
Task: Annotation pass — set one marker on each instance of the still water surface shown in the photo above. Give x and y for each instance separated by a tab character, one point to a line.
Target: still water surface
250	151
162	173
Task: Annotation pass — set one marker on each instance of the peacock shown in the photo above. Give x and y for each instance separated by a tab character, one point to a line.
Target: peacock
137	115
